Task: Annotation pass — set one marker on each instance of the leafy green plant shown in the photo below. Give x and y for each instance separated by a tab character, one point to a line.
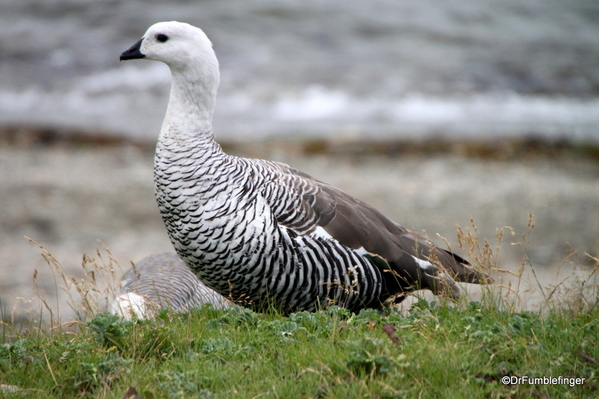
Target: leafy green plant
110	329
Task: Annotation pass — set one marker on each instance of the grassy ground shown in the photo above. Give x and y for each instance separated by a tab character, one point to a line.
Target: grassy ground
433	349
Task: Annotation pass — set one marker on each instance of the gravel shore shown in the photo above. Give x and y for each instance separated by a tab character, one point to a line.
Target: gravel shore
67	198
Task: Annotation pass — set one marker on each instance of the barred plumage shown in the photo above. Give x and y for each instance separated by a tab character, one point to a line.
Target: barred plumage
162	281
263	233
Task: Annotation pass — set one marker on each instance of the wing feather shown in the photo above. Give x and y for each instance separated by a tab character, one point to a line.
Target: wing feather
355	224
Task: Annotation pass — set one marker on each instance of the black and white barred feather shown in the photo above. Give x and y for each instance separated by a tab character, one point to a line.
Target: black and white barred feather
262	233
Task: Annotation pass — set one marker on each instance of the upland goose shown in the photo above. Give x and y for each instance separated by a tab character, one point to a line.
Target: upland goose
162	281
263	233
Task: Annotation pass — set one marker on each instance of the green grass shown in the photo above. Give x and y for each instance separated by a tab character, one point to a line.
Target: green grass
442	351
433	349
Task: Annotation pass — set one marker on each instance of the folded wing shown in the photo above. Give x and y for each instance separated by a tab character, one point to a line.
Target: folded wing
409	260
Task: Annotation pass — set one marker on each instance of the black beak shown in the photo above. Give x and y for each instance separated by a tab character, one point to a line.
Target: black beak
133	52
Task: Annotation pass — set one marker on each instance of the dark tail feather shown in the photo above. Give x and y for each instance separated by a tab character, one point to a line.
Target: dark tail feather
461	269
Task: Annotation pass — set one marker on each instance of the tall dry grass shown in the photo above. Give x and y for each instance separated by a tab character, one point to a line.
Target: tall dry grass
86	296
573	285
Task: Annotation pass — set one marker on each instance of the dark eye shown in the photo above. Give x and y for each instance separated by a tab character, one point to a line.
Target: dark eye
161	37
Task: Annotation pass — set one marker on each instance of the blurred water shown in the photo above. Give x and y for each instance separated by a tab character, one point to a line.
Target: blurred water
317	67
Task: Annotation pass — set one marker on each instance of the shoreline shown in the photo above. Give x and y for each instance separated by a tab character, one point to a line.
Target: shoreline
499	148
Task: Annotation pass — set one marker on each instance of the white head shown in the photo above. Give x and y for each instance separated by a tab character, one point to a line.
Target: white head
177	44
130	305
188	53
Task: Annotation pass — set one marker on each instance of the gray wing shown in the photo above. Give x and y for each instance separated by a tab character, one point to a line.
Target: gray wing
355	224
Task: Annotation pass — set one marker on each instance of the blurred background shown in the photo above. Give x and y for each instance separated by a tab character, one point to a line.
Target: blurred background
435	113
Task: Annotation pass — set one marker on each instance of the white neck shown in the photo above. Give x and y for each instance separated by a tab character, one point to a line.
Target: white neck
191	104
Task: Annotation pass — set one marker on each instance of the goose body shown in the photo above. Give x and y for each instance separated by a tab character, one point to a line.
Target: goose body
162	281
263	233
